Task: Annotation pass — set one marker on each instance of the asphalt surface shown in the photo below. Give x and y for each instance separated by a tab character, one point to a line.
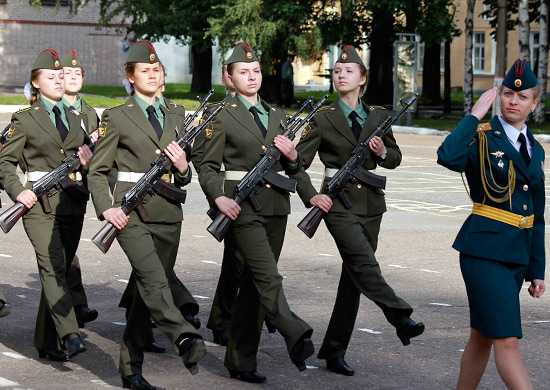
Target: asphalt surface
427	205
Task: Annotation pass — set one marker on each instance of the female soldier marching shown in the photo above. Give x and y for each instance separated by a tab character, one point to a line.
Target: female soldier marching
501	244
334	134
40	137
131	136
237	139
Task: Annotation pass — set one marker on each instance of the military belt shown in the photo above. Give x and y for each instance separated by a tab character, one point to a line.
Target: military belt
239	175
134	177
37	175
496	214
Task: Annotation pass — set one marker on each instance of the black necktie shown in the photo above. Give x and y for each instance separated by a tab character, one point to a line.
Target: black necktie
153	120
523	149
355	126
255	113
63	131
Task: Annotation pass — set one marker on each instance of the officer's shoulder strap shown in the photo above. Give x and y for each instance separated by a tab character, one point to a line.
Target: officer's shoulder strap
484	127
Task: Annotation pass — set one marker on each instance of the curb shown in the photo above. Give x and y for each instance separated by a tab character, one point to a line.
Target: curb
542	138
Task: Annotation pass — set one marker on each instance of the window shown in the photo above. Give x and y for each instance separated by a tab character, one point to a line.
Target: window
479	51
55	3
534	45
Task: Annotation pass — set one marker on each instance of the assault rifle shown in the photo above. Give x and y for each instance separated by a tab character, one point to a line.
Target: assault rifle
151	182
263	172
352	171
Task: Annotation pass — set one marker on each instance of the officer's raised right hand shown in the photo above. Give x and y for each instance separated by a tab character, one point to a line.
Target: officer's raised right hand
484	103
228	207
322	201
28	198
116	216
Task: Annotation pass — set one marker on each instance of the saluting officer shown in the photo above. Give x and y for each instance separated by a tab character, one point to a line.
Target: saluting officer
73	73
501	243
40	137
236	139
4	306
334	133
133	135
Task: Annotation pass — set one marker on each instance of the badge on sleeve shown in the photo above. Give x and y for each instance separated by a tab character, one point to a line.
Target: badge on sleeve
208	133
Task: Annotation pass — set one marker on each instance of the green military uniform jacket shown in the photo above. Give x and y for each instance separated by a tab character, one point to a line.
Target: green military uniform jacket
129	143
234	140
90	118
487	238
331	136
34	144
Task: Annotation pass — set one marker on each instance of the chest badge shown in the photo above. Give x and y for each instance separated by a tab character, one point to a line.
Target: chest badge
498	154
500	164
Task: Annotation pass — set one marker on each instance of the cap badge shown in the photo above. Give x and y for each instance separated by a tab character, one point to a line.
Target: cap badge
248	55
56	63
344	56
517	83
152	57
73	62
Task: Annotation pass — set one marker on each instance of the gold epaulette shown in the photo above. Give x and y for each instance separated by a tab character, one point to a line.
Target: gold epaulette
22	110
326	108
376	108
484	127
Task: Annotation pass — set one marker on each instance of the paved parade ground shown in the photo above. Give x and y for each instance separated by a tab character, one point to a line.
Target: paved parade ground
427	205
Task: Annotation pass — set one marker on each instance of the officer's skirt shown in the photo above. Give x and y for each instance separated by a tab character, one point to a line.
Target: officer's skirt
493	289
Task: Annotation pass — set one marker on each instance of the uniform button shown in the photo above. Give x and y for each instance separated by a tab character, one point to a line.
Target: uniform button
268	185
264	147
525	187
525	207
359	186
157	151
61	151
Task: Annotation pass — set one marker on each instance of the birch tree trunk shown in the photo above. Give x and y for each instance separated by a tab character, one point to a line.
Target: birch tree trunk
524	29
543	59
468	57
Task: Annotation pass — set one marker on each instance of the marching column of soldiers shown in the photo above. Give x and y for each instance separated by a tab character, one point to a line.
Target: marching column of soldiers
501	243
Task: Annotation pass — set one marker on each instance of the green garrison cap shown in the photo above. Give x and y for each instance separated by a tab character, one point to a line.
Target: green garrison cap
348	55
242	52
520	76
71	60
47	59
142	51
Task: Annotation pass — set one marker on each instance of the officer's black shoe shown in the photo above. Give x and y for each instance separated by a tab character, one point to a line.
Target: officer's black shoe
247	376
136	382
154	348
54	356
409	330
270	327
84	314
73	345
191	349
300	352
4	309
339	366
220	337
194	321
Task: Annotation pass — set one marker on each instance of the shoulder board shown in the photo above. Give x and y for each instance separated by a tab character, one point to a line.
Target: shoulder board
327	108
376	108
23	110
484	127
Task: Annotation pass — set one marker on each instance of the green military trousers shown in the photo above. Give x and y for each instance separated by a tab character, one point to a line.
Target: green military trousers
55	240
148	246
357	238
226	290
74	279
259	240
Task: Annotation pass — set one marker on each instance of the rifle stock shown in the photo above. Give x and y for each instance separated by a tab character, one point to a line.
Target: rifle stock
105	237
10	216
311	221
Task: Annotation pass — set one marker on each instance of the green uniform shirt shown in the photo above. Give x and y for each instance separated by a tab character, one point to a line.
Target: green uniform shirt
262	113
49	105
77	105
156	104
361	113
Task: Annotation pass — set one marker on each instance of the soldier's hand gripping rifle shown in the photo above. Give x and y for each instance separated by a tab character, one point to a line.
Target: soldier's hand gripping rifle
351	171
151	182
263	172
60	178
